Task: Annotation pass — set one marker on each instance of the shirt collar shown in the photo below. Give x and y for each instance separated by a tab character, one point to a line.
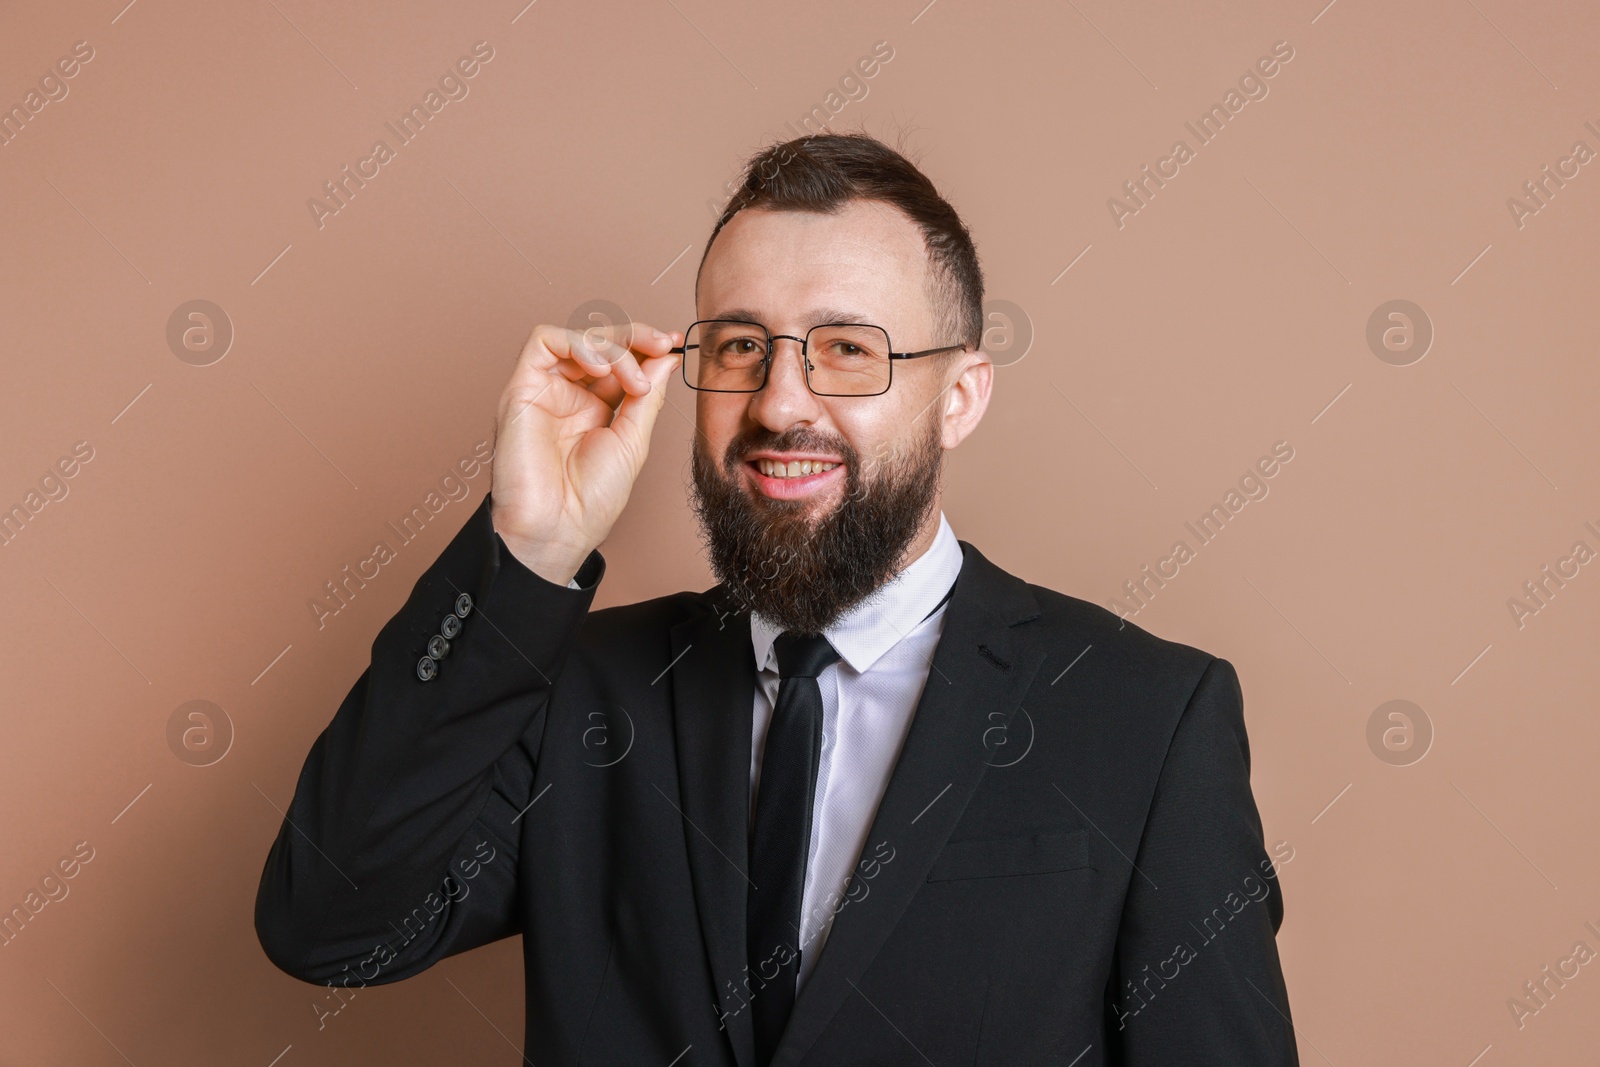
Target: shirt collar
893	610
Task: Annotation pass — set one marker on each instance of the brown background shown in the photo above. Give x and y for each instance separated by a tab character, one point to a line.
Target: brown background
1229	314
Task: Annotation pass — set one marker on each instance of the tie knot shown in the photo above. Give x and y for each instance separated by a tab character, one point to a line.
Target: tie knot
803	655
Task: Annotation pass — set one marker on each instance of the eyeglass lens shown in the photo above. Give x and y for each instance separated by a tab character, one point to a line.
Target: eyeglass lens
844	359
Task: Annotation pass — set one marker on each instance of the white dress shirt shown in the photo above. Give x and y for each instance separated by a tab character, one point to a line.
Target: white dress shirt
868	699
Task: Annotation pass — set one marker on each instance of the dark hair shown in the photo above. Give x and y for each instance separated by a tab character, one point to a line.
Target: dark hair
823	172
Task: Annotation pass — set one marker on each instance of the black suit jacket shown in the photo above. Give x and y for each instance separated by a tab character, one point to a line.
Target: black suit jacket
1067	866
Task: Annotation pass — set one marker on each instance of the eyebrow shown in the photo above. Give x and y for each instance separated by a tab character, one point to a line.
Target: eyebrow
814	317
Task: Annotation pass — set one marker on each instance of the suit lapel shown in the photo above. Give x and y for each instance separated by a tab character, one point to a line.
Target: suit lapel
979	673
713	690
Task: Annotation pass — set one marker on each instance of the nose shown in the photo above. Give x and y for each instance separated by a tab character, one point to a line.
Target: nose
784	399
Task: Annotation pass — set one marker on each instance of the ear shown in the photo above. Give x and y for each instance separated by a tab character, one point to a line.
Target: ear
966	397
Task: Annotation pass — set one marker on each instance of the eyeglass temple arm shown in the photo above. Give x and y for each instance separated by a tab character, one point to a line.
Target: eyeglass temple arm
926	352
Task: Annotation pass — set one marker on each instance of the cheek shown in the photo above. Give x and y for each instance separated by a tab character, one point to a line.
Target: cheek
900	428
717	421
876	445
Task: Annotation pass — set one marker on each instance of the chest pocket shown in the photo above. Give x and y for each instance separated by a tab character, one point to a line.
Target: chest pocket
999	857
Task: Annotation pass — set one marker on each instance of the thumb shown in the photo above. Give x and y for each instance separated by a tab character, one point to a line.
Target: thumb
636	415
661	372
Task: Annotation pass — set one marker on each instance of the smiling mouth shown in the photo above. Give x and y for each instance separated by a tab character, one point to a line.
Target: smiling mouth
798	468
797	478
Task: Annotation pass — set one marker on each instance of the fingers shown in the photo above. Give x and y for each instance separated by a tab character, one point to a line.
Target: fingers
636	414
608	389
622	353
598	353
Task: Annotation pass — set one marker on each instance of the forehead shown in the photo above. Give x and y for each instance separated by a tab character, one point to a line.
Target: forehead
867	256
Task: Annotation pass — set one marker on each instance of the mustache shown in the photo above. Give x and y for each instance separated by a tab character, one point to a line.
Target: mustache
798	439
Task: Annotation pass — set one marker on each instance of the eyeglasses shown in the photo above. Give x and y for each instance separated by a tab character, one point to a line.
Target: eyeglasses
840	358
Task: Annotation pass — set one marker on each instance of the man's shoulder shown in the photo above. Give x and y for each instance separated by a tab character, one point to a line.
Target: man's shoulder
1134	686
1068	621
1100	651
1062	614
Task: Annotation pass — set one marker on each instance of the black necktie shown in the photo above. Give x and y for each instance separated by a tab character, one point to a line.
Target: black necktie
781	839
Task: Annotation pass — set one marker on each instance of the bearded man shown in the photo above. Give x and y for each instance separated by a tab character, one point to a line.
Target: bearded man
871	799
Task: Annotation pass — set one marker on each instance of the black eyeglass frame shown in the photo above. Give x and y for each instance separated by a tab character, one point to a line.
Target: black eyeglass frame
774	338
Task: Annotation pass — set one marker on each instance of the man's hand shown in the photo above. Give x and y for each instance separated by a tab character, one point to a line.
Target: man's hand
571	435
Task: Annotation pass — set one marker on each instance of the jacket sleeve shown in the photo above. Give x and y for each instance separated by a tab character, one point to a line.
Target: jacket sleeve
399	847
1197	978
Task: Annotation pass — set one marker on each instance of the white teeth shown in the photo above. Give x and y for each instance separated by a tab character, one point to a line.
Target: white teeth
793	469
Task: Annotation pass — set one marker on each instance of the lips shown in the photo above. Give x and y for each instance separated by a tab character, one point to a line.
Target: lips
799	484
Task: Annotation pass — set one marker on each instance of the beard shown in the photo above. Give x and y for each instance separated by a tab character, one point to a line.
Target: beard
803	574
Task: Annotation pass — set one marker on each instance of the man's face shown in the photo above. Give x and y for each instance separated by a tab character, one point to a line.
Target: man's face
802	550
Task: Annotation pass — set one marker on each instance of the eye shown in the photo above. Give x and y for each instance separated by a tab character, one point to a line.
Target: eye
847	350
742	346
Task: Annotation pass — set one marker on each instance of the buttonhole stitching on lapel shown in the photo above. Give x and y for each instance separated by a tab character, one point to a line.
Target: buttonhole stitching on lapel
992	658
